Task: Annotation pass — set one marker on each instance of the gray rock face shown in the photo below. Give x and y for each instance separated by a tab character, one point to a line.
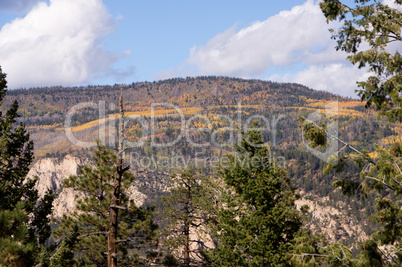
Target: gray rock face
335	222
51	173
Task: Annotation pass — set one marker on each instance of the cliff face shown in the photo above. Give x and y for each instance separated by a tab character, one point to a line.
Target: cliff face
335	222
51	173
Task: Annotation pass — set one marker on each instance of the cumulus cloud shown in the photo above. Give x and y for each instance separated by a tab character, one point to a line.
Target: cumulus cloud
296	39
339	78
56	44
283	39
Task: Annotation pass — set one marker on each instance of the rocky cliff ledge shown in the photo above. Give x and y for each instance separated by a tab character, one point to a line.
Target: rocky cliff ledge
51	173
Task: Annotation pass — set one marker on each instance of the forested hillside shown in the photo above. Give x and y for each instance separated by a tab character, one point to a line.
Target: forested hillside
44	106
43	111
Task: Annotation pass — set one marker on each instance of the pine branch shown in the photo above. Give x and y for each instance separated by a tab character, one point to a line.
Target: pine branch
118	207
94	233
336	138
378	180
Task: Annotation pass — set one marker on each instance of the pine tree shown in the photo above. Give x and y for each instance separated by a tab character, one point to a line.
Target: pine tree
379	25
24	223
91	221
189	210
257	222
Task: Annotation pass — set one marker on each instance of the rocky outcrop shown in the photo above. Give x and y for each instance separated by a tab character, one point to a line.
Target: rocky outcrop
334	222
51	173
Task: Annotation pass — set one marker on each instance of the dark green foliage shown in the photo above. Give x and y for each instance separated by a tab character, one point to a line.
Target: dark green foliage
41	219
370	255
63	254
257	222
90	223
389	214
16	248
316	135
170	261
24	224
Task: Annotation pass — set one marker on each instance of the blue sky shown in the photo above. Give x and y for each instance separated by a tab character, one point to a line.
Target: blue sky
80	42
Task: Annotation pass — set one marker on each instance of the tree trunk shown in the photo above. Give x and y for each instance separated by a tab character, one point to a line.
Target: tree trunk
186	252
112	237
112	248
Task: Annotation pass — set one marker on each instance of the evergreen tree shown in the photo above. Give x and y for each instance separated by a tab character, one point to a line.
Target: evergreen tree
379	25
24	224
188	210
90	222
257	223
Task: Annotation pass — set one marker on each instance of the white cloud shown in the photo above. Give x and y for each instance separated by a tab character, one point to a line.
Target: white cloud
280	40
392	4
276	41
294	39
56	44
338	78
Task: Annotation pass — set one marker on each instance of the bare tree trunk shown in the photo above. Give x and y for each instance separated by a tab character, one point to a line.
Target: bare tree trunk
112	237
186	251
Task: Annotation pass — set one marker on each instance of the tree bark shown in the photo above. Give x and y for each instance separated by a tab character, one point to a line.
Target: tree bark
114	209
186	251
